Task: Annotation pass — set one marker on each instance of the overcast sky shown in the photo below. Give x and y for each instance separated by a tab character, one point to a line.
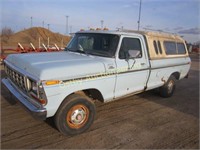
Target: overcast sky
177	16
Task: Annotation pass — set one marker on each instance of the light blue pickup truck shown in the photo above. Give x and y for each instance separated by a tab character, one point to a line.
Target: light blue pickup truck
95	65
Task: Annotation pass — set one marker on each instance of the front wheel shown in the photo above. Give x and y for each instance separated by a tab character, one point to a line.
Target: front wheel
168	88
75	115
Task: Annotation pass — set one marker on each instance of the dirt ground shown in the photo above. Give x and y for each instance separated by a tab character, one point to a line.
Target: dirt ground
34	35
144	121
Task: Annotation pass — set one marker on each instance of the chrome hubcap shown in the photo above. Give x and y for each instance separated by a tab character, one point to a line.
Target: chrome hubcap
78	116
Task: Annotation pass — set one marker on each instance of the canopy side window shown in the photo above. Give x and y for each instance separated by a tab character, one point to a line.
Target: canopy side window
155	47
170	47
181	48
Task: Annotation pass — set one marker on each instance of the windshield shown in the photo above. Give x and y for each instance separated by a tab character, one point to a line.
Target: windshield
95	44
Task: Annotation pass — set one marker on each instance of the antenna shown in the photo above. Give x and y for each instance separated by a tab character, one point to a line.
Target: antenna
67	26
70	29
102	24
139	15
48	26
31	21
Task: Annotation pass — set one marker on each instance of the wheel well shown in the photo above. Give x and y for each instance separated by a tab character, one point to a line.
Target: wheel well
92	93
176	75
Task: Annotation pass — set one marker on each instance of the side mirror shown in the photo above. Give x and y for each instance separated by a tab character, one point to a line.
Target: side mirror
133	54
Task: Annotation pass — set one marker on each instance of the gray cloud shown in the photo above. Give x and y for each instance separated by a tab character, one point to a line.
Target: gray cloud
148	26
178	28
190	31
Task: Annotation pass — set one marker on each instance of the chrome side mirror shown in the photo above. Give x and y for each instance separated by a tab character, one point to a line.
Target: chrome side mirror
134	53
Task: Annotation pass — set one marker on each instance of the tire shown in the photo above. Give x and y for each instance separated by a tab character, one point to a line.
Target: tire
75	115
168	88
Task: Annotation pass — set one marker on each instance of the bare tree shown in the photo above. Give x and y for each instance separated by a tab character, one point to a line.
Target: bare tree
6	32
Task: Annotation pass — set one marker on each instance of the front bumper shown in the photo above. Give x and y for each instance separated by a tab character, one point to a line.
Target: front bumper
36	111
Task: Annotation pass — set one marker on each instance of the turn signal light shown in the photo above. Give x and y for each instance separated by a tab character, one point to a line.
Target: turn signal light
42	101
52	82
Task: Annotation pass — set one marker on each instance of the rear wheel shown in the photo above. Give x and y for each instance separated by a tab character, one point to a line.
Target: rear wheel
75	115
168	88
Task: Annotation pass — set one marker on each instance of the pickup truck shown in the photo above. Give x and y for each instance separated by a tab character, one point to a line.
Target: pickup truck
95	65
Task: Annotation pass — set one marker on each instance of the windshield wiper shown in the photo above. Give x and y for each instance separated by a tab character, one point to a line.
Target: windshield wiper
99	54
76	51
80	51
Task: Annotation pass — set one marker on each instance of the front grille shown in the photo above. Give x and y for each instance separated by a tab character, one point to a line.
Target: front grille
16	77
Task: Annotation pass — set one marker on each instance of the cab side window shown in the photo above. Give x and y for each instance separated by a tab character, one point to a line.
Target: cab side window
129	44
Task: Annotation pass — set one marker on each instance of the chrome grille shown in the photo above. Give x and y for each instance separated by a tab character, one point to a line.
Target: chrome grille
16	77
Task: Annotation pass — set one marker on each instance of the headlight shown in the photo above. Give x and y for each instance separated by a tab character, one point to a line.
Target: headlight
34	86
28	84
31	85
37	92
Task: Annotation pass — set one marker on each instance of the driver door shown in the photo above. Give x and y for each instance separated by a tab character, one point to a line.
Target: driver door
132	74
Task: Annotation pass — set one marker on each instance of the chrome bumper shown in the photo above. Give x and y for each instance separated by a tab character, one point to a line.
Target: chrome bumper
36	112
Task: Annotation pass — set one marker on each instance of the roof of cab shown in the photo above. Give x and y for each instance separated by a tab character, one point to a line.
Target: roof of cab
158	34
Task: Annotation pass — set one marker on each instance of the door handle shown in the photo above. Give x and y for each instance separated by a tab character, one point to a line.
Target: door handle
111	67
142	64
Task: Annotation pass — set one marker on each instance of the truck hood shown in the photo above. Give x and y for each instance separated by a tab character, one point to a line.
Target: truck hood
57	65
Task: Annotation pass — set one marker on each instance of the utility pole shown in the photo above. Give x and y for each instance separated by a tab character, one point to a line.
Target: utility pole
139	15
39	42
48	42
31	21
48	26
70	29
67	25
102	24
